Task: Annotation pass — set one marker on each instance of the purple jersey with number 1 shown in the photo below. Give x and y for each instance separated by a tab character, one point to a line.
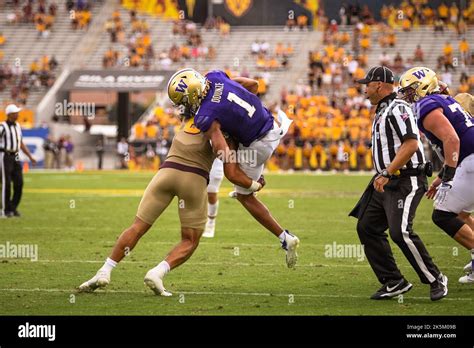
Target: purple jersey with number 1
462	122
240	113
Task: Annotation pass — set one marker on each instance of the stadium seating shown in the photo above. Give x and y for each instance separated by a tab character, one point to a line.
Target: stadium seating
22	39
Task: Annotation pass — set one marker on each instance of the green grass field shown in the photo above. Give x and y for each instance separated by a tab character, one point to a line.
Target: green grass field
75	218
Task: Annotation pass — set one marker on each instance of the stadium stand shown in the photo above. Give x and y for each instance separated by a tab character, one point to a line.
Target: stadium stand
309	73
26	77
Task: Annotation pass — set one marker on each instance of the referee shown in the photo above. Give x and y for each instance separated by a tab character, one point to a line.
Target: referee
393	194
10	144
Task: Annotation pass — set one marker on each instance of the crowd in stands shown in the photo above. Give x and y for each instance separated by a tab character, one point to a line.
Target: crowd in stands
42	14
301	22
271	58
193	48
80	13
332	118
217	24
152	139
21	82
327	133
138	42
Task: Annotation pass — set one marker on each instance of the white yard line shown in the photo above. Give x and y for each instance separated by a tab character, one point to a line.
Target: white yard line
227	293
265	245
244	264
197	263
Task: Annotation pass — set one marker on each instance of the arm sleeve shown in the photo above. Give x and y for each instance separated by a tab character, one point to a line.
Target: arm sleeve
203	122
403	122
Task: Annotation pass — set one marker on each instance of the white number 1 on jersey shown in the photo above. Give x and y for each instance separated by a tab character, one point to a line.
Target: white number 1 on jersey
232	97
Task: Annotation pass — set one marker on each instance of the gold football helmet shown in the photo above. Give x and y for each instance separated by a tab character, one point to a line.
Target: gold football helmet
466	101
417	83
186	88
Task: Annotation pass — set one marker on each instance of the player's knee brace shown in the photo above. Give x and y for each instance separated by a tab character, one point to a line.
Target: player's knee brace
447	221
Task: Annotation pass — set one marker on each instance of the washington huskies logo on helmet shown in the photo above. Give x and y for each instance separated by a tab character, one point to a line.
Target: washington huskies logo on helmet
181	86
417	83
187	88
419	74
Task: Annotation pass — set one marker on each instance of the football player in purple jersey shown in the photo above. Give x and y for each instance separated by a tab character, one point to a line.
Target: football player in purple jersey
224	107
450	130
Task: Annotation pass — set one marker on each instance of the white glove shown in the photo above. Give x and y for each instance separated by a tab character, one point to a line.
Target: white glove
442	192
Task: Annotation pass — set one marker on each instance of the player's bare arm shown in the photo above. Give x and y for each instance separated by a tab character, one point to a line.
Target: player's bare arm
436	123
406	151
232	170
250	84
27	152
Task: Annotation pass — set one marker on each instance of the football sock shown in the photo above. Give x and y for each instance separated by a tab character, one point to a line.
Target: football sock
282	236
212	210
472	260
109	265
163	268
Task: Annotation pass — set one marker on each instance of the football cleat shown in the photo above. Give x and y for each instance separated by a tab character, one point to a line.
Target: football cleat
100	280
290	244
210	228
467	279
155	283
391	289
439	288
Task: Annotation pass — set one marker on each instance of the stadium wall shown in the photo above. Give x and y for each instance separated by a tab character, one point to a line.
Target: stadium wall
248	12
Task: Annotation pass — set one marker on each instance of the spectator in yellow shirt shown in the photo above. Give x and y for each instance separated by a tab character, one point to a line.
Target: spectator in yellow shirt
365	44
447	49
453	13
464	49
406	24
34	67
443	12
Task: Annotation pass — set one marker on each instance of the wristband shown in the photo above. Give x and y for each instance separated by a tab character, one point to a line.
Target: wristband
255	186
448	173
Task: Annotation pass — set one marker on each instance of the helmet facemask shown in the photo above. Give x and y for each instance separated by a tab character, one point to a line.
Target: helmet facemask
408	93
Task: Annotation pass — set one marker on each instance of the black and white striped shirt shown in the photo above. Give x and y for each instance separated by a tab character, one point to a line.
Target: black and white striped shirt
394	123
10	137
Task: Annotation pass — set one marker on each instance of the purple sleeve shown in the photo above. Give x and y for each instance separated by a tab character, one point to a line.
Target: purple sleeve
219	73
426	105
203	122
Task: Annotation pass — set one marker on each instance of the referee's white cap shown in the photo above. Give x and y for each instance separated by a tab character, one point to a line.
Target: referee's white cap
12	108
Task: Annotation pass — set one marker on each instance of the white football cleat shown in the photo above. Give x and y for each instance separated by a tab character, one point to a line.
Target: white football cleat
100	280
290	244
467	279
155	283
210	228
468	268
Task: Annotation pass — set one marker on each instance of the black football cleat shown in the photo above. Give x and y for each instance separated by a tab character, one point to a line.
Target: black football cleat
439	288
391	289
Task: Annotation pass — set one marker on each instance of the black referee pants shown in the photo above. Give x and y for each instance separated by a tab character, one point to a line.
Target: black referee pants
11	172
394	210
